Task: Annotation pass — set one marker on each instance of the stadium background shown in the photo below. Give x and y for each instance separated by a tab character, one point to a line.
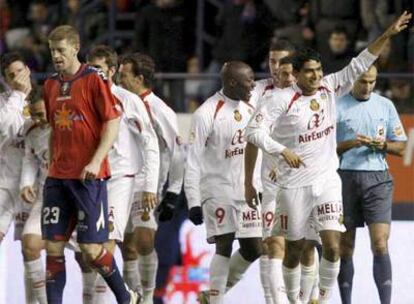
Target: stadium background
189	40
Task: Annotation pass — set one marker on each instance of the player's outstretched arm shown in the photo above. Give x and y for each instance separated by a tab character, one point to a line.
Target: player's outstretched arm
400	24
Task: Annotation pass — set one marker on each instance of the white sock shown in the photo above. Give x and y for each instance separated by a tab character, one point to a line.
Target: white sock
328	273
291	277
307	279
277	285
148	265
238	266
102	292
29	295
315	289
219	272
35	272
88	281
265	279
131	275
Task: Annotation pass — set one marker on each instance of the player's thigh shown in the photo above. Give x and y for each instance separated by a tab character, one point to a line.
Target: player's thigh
293	209
140	217
6	210
377	198
91	200
119	205
58	218
21	214
327	213
351	199
33	223
220	218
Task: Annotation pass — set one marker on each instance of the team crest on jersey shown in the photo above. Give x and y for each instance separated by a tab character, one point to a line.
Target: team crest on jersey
191	138
398	131
324	96
314	105
26	111
237	115
259	118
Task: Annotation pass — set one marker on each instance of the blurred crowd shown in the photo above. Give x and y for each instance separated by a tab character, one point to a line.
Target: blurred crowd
232	30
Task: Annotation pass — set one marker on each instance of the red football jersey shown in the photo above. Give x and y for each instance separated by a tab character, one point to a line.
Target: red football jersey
77	109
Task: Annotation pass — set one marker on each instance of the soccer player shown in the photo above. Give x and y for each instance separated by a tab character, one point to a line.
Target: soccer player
135	151
12	120
84	122
368	128
33	176
214	178
137	75
304	146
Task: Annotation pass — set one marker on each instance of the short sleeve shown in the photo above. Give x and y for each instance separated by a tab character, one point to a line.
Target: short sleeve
395	130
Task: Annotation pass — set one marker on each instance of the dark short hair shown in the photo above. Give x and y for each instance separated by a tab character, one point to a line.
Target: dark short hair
106	52
340	29
281	45
141	65
286	60
7	59
303	55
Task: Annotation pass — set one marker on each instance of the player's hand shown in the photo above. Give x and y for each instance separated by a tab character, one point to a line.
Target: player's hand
363	140
149	200
195	214
21	82
250	195
91	171
165	209
273	175
378	144
293	160
28	194
398	25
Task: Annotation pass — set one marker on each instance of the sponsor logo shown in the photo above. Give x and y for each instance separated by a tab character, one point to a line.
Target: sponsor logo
316	120
238	137
229	153
304	138
398	130
314	105
65	89
237	115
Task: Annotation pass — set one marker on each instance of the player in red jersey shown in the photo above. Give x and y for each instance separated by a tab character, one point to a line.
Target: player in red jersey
84	123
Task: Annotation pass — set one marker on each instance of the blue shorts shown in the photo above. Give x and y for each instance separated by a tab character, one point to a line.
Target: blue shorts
72	203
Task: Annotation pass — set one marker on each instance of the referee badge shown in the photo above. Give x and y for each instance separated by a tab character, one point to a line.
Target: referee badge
237	115
314	105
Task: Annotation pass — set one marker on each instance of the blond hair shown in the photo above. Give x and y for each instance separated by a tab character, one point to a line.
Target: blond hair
63	32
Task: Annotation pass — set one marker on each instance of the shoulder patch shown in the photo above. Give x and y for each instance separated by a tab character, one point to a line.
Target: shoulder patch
100	73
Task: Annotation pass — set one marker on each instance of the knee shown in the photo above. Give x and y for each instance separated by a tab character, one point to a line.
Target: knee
145	242
380	246
31	250
55	248
91	251
331	251
293	253
84	266
129	250
276	247
308	256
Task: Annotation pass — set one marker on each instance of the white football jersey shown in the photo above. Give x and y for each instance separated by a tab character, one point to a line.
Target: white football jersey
305	125
215	156
165	123
36	157
135	150
12	125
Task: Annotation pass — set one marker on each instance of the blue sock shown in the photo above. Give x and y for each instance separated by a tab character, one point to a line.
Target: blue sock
345	277
55	278
106	266
383	277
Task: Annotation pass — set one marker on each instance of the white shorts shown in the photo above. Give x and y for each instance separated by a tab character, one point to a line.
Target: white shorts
268	205
119	205
304	212
7	203
237	218
33	224
138	218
